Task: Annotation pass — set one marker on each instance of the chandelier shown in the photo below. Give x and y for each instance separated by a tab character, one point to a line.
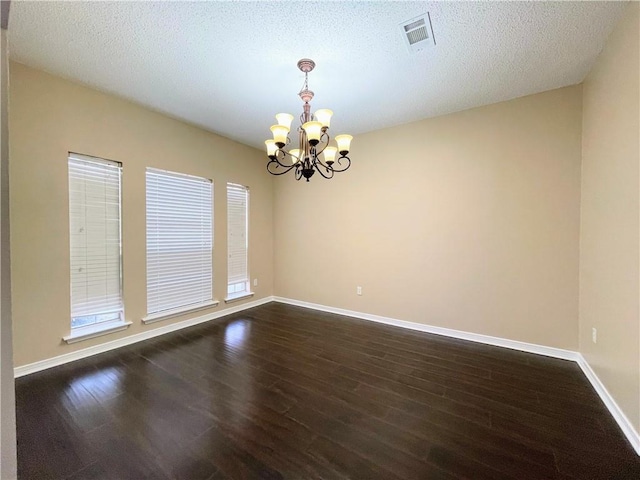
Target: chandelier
313	140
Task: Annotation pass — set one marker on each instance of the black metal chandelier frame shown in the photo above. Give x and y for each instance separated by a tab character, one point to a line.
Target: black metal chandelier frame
309	160
306	166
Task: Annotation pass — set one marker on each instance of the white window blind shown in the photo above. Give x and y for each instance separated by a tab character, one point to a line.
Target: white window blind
237	238
94	228
179	240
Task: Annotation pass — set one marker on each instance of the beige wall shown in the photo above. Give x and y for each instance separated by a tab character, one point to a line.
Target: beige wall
7	391
610	228
468	221
49	117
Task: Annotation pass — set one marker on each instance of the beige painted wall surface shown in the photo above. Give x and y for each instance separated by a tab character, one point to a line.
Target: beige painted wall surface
49	117
610	238
468	221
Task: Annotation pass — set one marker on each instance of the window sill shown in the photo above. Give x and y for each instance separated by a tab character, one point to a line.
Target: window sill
92	331
236	297
166	314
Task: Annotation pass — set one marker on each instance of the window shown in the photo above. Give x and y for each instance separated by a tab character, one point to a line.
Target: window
237	240
179	243
95	246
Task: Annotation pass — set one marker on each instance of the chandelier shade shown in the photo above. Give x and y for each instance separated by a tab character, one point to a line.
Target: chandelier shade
280	133
284	119
271	147
313	140
330	155
313	131
344	143
324	116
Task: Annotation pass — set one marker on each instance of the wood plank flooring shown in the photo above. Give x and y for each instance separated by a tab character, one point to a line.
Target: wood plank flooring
284	392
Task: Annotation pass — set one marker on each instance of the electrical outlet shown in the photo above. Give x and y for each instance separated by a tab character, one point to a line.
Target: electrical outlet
359	290
594	335
255	282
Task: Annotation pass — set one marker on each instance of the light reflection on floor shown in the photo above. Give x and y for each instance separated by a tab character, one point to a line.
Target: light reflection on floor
236	333
103	383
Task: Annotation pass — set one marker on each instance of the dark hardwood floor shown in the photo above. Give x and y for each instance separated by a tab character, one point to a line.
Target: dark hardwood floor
284	392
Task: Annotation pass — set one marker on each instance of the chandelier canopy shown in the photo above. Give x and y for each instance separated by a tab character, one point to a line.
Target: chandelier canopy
313	140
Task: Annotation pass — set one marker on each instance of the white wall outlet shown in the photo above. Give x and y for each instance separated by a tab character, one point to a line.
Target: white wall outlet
359	290
255	282
594	335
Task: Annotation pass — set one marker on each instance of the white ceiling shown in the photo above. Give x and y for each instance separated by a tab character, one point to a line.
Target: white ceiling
230	66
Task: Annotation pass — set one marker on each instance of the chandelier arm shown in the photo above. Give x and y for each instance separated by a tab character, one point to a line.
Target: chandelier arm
284	155
333	167
318	161
324	143
283	165
271	162
298	172
328	169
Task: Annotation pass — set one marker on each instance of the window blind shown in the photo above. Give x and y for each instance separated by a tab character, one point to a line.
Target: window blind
179	240
237	238
94	228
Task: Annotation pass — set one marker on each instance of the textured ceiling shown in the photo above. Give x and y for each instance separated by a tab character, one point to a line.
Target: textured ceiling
230	66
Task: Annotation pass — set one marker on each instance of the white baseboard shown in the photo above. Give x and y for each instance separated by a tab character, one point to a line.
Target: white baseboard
447	332
138	337
616	412
623	422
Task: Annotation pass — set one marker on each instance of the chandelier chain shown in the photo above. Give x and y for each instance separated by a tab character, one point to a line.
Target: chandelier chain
305	86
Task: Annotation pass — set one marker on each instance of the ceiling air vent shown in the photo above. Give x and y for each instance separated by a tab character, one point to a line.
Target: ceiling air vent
418	33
